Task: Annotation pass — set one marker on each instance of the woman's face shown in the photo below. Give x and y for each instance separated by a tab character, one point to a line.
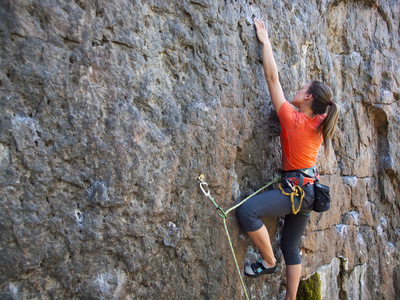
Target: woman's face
301	95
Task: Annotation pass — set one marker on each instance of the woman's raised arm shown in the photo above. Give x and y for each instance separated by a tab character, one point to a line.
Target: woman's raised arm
270	68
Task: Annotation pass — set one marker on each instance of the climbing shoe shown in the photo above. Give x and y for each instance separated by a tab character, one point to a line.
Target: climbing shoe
259	268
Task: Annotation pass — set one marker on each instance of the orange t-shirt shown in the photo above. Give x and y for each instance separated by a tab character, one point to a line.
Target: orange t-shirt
300	142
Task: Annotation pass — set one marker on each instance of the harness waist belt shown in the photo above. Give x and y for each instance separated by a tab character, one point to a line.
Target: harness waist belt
309	172
301	174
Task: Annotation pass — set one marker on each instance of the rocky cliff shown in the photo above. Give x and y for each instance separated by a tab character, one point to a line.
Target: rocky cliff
111	109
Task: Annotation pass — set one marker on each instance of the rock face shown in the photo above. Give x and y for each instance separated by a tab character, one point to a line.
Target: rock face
111	109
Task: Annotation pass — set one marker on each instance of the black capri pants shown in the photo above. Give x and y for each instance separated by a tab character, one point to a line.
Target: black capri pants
275	204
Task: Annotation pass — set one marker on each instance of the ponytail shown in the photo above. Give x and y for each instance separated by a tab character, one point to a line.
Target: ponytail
328	126
322	103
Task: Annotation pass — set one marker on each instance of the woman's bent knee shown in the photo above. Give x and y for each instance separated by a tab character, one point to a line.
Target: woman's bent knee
248	220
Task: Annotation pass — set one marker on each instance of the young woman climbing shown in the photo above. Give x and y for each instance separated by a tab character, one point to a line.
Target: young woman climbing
303	132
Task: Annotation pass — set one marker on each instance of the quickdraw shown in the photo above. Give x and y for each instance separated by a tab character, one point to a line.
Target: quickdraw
296	192
223	214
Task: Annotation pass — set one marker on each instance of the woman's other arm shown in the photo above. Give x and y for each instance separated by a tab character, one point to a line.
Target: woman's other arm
270	68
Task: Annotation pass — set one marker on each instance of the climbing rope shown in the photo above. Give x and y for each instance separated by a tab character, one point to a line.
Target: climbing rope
224	214
296	192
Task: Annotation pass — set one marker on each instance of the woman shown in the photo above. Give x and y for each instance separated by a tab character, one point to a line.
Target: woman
303	132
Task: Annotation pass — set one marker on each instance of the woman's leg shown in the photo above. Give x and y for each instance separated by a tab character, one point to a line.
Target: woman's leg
269	204
293	230
260	238
293	274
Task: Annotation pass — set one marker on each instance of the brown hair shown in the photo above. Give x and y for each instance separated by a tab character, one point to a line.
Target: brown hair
322	102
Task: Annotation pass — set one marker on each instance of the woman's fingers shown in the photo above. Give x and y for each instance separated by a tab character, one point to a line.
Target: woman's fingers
259	23
262	32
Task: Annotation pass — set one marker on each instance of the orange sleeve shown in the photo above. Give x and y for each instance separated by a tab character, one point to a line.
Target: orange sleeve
287	115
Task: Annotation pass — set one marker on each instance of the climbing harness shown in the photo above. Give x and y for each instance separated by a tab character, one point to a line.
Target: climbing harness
224	214
296	192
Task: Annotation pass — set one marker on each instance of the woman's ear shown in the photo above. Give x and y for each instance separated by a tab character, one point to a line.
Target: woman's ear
308	96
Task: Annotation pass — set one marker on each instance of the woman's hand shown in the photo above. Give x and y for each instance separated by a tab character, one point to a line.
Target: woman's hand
262	32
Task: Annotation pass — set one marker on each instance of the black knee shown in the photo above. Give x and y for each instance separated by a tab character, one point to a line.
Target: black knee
290	252
248	219
242	215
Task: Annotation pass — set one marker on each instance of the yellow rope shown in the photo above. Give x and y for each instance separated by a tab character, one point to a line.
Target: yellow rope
296	192
223	214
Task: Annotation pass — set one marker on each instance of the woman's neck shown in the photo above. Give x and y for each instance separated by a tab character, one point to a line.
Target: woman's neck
307	111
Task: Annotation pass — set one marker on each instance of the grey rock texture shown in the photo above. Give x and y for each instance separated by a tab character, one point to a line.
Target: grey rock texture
111	109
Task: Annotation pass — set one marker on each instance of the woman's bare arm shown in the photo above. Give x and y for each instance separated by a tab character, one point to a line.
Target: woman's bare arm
270	68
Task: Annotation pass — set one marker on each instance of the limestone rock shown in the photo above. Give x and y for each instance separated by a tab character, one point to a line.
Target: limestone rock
111	109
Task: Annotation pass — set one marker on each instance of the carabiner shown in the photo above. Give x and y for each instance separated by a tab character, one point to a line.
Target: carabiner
222	213
291	185
201	187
